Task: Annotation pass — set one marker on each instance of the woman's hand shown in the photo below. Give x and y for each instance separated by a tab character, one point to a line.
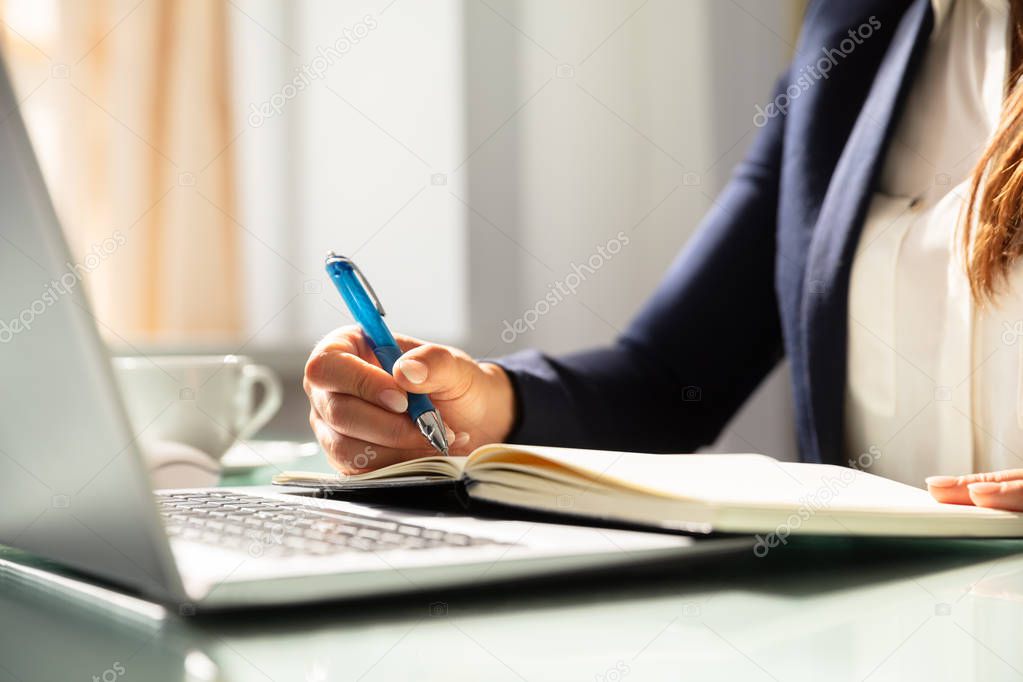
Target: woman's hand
358	409
997	490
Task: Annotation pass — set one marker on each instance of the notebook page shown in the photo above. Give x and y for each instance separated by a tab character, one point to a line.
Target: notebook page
448	467
749	481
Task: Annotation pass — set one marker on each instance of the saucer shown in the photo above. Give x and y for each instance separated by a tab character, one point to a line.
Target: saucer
246	455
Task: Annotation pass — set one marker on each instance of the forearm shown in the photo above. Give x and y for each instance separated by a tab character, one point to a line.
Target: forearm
614	398
602	398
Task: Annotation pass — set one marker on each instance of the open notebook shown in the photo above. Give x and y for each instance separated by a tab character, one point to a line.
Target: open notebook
696	493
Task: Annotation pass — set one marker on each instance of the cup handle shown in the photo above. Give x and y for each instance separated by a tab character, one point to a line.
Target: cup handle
273	395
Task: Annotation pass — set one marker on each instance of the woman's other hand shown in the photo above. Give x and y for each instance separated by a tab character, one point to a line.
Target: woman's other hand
996	490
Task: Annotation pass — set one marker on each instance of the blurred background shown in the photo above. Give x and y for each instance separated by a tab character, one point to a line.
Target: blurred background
529	166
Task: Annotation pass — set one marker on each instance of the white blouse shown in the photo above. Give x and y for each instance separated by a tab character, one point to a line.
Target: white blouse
934	384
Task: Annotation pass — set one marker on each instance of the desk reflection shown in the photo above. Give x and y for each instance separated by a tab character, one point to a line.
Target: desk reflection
815	609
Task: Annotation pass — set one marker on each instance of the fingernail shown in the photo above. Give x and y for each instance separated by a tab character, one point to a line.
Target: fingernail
393	400
461	439
413	370
450	435
984	488
941	481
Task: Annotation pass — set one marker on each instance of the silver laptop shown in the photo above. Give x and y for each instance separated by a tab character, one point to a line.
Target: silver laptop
74	488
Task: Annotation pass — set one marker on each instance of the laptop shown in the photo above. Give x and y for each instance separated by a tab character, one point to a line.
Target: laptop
75	489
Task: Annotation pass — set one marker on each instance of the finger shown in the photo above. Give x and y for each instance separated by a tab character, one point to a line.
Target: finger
343	372
351	339
353	456
948	492
407	343
1006	495
342	340
351	416
444	372
954	489
347	339
459	445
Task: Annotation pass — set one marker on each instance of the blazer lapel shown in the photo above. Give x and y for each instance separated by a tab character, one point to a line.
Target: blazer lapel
826	279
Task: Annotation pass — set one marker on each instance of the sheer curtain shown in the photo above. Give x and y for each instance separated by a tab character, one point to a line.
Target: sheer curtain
128	105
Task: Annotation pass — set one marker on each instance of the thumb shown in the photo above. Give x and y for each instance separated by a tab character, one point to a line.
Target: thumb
445	372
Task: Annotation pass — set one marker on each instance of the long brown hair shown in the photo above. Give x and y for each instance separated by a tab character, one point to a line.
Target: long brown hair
992	235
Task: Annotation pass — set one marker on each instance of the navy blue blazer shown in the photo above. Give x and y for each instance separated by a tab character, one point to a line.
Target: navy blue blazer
765	276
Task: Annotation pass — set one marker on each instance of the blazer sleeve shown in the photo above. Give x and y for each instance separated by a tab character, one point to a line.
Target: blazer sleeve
699	346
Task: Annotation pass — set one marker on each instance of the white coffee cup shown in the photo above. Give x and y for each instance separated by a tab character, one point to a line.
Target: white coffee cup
205	401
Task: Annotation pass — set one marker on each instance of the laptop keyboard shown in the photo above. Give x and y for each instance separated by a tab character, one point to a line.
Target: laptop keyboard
262	526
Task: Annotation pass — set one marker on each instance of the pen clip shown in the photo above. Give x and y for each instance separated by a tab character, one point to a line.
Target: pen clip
335	258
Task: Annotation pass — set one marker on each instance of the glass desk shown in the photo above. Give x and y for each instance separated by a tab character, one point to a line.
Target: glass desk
816	609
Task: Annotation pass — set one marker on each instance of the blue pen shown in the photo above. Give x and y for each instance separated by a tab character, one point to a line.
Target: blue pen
364	305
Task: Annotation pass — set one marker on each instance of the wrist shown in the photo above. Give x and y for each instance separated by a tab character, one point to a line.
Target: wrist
501	400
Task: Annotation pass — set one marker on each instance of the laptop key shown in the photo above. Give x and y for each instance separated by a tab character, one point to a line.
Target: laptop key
319	547
361	543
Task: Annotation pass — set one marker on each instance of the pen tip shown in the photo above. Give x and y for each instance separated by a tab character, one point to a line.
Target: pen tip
432	427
